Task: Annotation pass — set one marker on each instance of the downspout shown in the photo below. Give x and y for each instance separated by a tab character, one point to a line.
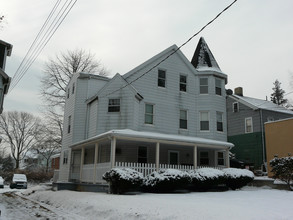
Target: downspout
262	136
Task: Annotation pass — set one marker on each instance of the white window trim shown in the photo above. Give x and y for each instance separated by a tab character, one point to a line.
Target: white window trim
237	106
147	103
186	119
216	158
217	121
207	157
205	85
200	121
183	83
161	87
173	151
246	126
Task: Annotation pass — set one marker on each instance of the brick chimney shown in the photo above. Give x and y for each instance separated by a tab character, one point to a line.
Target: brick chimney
238	91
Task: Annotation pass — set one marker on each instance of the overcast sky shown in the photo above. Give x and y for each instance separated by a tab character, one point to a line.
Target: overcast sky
252	41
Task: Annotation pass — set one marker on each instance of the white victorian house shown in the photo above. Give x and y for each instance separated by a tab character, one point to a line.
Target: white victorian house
169	114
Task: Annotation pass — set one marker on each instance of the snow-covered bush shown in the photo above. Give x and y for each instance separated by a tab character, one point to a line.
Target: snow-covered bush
206	178
283	169
167	180
237	178
122	180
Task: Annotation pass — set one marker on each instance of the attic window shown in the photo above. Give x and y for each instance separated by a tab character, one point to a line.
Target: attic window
114	105
183	83
161	78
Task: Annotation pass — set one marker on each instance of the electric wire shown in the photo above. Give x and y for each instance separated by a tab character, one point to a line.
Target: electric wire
55	24
167	57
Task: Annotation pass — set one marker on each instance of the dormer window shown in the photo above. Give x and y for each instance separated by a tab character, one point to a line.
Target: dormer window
161	78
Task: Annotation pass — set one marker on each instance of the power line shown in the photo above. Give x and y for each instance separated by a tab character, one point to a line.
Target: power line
65	9
167	57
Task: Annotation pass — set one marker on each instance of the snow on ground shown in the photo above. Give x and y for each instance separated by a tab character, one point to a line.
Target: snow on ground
247	203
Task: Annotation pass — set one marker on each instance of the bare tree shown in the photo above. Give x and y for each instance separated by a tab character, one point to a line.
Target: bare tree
59	71
21	131
48	146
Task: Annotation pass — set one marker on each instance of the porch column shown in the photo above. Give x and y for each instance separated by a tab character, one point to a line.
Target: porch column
113	152
157	156
81	164
95	161
195	156
227	158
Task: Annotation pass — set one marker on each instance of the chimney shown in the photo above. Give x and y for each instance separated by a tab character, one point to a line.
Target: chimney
238	91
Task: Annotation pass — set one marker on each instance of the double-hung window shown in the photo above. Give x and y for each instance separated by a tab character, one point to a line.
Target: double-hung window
149	114
65	157
204	121
203	86
161	78
114	105
219	121
183	119
183	83
221	160
248	125
235	106
69	124
218	87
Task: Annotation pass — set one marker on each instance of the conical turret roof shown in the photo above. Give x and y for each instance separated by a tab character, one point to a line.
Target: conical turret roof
203	56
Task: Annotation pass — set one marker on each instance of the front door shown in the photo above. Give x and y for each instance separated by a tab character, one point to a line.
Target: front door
173	157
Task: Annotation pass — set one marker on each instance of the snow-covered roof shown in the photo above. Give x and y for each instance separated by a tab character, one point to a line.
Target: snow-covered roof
261	104
203	58
157	137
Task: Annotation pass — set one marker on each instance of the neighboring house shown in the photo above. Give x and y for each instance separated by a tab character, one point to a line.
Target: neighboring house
5	50
246	117
169	114
30	161
279	140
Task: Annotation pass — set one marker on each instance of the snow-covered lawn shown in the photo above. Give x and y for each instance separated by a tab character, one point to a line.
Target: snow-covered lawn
247	203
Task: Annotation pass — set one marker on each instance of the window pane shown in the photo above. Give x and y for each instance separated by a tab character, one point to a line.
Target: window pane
182	79
204	116
218	83
219	116
162	74
114	105
148	119
149	109
235	107
161	78
203	81
183	124
219	126
218	91
221	158
183	114
204	125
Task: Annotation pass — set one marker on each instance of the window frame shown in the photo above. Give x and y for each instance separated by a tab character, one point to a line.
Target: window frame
201	86
200	121
222	121
182	85
183	120
139	157
233	108
247	119
149	114
207	158
220	159
69	124
218	90
113	106
162	79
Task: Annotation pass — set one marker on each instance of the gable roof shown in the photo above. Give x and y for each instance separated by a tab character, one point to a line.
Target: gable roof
256	104
203	59
160	56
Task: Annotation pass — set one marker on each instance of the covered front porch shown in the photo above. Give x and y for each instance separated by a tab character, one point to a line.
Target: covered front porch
145	152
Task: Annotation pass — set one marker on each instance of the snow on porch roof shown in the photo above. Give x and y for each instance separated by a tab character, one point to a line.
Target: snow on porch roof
156	137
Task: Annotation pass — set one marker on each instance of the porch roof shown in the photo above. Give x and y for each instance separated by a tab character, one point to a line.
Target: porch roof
128	134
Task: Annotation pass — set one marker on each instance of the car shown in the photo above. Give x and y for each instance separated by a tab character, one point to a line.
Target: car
1	182
19	181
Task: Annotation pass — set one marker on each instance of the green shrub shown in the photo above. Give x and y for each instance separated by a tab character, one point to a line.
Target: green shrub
237	178
123	180
167	180
283	169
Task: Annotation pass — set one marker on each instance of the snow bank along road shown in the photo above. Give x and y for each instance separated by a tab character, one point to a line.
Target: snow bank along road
249	203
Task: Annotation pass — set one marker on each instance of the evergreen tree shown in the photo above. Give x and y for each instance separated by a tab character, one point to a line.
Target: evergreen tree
277	96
